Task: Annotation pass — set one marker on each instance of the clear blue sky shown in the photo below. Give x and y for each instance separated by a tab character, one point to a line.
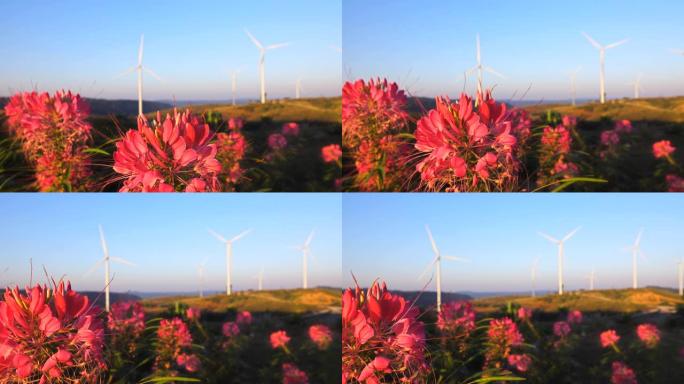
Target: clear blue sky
426	46
384	237
166	236
84	45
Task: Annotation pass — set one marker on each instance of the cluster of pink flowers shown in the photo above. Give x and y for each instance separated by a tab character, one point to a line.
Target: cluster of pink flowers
382	337
321	336
502	336
170	155
575	317
562	329
231	329
244	318
663	149
49	335
468	149
125	322
674	183
609	338
53	132
456	318
231	148
622	374
648	334
610	139
193	314
331	153
291	129
373	113
555	147
294	375
276	141
524	314
173	344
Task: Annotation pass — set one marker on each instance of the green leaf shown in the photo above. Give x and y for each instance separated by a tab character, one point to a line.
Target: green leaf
96	151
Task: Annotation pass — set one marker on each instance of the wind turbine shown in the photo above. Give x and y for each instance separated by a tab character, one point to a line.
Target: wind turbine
233	87
637	85
560	244
262	56
298	88
636	250
200	271
229	255
260	279
437	262
573	84
680	276
592	279
140	68
602	61
534	276
481	68
105	260
306	250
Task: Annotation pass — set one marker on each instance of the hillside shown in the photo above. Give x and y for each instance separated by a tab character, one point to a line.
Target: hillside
289	301
664	109
106	107
616	300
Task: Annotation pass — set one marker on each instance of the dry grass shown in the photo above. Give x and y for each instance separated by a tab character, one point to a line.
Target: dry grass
666	109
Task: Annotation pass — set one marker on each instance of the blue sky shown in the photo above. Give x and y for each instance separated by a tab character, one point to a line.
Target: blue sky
426	46
166	236
84	45
384	237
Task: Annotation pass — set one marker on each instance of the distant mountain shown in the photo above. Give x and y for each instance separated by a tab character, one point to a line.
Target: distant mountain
99	298
114	107
426	299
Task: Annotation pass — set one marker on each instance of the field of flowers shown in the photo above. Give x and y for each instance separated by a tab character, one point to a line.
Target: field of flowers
476	144
386	338
52	143
52	334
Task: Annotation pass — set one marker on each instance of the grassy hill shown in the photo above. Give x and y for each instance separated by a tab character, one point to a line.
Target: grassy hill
614	300
282	300
663	109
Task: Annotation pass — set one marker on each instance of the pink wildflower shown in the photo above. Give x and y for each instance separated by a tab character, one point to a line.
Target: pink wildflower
524	314
561	329
662	148
674	183
235	123
623	126
231	148
291	129
622	374
173	339
609	338
321	336
244	318
569	121
574	317
521	362
230	329
331	153
648	334
276	141
193	313
190	362
293	375
456	317
279	339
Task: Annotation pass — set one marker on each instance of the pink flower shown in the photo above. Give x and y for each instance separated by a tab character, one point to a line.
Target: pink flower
244	318
230	329
648	334
521	362
126	323
321	336
574	317
331	153
609	338
173	340
557	138
569	121
623	126
168	156
291	129
235	123
622	374
561	329
193	313
380	365
279	339
524	314
191	363
456	318
467	149
277	141
502	336
293	375
610	138
662	148
231	148
674	183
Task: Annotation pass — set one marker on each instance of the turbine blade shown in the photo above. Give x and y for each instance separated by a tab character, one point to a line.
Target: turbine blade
126	72
619	43
151	72
308	239
122	261
103	242
217	236
240	236
571	234
549	238
94	267
430	264
492	71
432	240
455	258
254	40
274	46
592	41
140	50
478	56
638	238
471	70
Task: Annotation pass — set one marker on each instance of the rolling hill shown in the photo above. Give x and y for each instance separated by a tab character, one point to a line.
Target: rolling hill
663	109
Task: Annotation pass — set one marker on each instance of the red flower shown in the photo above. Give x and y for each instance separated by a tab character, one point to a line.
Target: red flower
662	148
609	338
231	148
569	121
191	363
193	313
456	317
277	141
557	138
502	336
230	329
235	123
674	183
574	317
126	322
279	339
521	362
244	318
173	340
524	314
623	126
173	155
293	375
610	138
622	374
561	329
321	336
291	129
331	153
648	334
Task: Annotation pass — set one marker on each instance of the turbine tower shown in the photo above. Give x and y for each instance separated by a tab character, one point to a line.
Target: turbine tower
560	244
636	250
140	68
229	256
437	262
592	279
298	88
105	260
637	85
262	57
233	86
534	276
260	279
573	84
602	62
306	250
680	276
200	272
481	68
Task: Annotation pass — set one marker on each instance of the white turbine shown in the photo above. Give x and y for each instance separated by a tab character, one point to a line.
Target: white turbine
140	68
637	85
200	272
680	276
636	250
602	62
534	276
479	68
262	57
560	244
260	279
306	250
105	260
592	279
229	256
437	262
233	85
573	84
298	88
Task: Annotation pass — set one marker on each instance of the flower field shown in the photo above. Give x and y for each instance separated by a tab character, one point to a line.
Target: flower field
53	334
477	144
52	143
386	338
